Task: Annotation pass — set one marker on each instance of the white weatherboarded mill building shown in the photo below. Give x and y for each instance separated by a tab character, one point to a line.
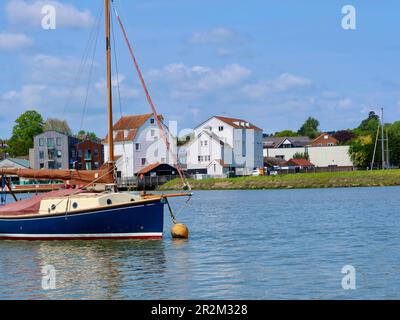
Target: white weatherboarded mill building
235	143
137	144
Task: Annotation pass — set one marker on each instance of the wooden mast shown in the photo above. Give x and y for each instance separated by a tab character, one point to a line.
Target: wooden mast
109	86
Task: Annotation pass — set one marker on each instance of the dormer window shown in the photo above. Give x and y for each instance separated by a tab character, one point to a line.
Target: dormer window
126	133
326	137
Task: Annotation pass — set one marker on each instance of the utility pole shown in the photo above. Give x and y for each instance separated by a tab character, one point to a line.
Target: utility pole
387	150
383	142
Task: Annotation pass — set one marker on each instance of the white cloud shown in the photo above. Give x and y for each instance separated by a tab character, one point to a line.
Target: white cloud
345	103
186	81
126	91
283	83
217	35
14	41
29	96
29	14
44	68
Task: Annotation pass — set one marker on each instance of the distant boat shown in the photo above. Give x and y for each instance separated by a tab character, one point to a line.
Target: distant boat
83	213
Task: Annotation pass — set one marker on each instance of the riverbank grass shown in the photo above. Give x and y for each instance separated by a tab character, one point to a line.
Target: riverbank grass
296	181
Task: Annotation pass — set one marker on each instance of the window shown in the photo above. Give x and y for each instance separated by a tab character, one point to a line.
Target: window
80	153
330	144
41	155
42	166
199	159
137	146
88	166
152	121
221	128
50	142
59	154
205	143
96	165
51	155
59	142
41	142
96	152
152	132
143	161
215	167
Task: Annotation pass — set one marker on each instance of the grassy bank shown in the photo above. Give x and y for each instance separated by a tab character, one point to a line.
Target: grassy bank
297	181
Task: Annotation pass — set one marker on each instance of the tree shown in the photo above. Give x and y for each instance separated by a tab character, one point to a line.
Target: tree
344	136
369	125
286	133
361	151
299	155
57	125
309	128
394	143
28	125
86	135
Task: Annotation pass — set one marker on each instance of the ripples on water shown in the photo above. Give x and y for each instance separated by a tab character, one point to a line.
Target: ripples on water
244	245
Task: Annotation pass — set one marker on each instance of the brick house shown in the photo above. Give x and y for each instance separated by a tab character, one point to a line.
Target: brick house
89	155
324	140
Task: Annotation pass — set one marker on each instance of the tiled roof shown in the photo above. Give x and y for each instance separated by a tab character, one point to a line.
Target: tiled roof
300	163
238	123
149	168
131	125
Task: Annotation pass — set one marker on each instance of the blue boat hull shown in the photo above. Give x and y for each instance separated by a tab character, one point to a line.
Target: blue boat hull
130	221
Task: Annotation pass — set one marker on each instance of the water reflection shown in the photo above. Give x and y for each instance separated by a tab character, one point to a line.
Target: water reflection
84	270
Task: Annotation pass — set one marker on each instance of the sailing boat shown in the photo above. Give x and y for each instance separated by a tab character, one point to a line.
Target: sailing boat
72	214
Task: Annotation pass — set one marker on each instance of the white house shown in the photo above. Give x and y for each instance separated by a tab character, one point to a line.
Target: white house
137	144
337	156
235	142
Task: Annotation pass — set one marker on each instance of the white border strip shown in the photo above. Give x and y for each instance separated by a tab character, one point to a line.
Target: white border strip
94	235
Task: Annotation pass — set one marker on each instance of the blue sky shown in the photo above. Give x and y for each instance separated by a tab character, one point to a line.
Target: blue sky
273	63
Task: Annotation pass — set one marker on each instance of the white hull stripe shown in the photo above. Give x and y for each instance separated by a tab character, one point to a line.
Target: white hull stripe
97	235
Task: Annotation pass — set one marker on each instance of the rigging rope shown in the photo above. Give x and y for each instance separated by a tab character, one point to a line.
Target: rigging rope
90	73
150	101
84	59
114	49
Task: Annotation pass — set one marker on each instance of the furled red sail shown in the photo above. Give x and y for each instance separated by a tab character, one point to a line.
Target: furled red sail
76	177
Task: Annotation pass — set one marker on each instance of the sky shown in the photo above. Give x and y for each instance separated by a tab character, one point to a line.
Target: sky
271	62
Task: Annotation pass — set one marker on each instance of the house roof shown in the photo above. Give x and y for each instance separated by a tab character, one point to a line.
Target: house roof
234	123
321	137
131	125
211	135
300	163
21	162
276	142
151	167
221	162
238	123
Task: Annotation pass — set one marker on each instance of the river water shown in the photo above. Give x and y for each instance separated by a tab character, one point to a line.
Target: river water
275	244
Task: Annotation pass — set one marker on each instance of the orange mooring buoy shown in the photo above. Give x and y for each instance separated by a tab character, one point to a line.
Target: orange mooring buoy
180	231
